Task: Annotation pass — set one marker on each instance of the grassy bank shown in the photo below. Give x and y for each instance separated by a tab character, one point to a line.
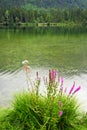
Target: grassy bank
57	110
31	112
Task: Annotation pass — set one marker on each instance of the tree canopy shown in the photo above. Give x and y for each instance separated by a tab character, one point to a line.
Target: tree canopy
44	3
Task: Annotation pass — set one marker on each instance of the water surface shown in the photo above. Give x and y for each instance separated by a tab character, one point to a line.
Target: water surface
61	48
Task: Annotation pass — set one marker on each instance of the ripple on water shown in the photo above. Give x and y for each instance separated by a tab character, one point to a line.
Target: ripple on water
12	83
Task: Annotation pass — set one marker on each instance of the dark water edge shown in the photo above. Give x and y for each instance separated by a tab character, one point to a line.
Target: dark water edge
77	29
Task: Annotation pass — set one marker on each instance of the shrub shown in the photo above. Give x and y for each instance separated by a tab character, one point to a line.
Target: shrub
32	112
57	110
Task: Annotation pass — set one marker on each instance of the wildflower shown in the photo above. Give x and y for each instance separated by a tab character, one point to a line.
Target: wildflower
65	90
38	79
61	113
25	62
37	83
62	80
72	88
27	70
77	89
52	75
61	90
26	66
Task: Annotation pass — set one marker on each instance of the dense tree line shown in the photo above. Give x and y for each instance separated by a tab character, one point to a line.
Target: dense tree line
59	3
12	3
44	3
19	15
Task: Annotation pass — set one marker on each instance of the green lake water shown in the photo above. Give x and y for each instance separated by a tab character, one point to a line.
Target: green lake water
62	48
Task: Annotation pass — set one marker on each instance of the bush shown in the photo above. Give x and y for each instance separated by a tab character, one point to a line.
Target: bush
31	112
57	110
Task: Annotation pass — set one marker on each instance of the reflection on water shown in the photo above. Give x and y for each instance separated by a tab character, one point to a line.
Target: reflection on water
62	48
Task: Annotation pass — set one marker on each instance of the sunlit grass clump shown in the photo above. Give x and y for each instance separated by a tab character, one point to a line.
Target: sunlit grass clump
57	110
32	112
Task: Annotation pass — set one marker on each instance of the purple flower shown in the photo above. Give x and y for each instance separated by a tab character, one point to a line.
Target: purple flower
76	90
65	90
61	90
49	75
52	75
61	113
61	81
72	88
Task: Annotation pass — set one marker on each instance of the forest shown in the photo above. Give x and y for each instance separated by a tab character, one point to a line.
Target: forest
44	3
18	16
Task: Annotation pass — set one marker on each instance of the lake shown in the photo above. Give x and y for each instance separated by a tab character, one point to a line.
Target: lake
64	49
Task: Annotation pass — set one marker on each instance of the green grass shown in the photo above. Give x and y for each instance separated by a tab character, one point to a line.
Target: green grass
3	112
32	112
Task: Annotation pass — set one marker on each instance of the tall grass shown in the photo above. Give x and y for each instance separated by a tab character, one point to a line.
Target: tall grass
32	112
57	110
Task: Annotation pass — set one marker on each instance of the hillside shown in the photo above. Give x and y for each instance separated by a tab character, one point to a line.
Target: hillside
11	3
44	3
59	3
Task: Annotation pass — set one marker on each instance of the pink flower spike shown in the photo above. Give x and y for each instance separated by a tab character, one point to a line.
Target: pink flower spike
53	73
77	89
72	88
65	90
50	77
61	113
62	80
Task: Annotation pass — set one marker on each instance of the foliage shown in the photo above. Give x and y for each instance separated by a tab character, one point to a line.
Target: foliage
17	12
17	16
57	110
44	3
37	112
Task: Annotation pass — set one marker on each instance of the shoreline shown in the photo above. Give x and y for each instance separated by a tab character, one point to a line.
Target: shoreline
40	24
18	79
